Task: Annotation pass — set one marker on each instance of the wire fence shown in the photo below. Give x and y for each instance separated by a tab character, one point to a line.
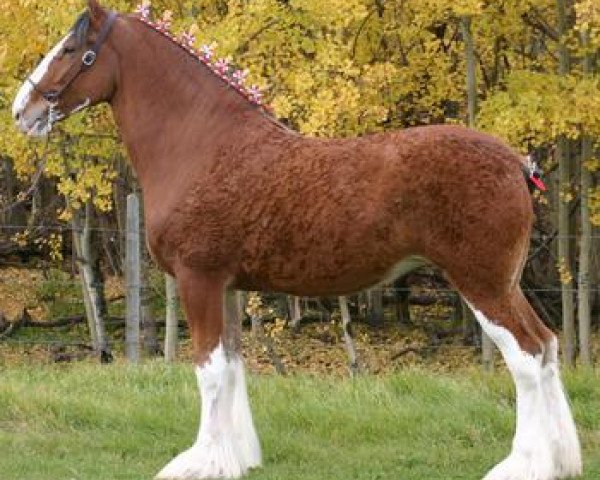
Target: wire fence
123	232
54	295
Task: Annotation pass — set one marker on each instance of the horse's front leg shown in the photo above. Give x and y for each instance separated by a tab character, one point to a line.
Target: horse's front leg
227	445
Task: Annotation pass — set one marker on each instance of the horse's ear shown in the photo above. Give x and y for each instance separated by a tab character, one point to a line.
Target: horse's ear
97	12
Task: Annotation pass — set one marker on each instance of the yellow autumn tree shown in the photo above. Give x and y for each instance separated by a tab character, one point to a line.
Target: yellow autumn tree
346	68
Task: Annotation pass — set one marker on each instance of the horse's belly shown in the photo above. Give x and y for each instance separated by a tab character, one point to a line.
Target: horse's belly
312	279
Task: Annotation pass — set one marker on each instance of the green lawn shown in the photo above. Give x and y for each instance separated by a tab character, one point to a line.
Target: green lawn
118	422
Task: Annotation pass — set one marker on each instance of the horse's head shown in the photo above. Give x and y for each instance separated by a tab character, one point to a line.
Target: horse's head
79	71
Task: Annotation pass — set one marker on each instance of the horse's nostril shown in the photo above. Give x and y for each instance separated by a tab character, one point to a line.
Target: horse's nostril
17	116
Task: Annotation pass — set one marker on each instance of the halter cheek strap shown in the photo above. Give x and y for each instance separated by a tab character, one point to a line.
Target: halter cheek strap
89	57
87	60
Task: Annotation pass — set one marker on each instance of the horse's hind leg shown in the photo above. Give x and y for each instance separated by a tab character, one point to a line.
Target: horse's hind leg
567	451
545	445
227	445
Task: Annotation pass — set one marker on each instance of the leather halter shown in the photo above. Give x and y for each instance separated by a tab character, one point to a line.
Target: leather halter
87	60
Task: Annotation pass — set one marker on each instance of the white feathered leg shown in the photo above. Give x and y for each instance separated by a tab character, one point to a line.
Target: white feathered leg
565	443
227	445
532	456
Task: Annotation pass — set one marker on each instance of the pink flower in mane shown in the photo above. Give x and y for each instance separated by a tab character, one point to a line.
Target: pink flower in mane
222	66
255	94
207	52
239	76
165	22
163	25
187	39
143	10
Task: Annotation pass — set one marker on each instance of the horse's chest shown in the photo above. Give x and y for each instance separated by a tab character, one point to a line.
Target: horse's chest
202	236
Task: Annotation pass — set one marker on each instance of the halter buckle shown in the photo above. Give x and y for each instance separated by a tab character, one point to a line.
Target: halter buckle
51	96
88	58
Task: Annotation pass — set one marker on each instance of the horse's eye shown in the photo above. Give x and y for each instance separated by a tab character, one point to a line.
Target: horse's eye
69	50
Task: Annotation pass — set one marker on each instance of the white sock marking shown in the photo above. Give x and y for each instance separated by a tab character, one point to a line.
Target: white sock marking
227	444
242	419
566	448
539	450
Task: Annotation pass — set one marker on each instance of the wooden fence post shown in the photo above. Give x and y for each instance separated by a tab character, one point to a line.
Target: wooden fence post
348	340
172	331
487	352
295	312
93	295
132	260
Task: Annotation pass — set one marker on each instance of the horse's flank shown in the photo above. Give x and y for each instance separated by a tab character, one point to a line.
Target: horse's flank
278	211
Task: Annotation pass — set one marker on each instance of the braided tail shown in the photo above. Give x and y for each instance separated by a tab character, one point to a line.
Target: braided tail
533	175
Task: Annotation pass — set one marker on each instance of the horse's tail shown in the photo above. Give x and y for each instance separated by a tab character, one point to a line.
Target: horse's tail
533	175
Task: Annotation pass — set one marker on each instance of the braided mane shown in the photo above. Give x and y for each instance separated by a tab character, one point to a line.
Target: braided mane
226	72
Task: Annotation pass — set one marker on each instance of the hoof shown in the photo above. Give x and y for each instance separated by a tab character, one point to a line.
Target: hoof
519	466
569	461
561	433
567	454
205	460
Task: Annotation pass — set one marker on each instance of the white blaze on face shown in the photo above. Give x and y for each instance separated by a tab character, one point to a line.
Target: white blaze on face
27	123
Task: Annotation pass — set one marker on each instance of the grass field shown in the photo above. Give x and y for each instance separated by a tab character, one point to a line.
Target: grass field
118	422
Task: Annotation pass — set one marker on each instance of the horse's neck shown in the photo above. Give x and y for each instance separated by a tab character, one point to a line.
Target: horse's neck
171	110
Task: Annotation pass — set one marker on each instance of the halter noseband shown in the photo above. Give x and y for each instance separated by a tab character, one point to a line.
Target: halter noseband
87	60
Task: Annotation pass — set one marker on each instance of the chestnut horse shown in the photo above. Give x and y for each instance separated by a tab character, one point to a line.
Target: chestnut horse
236	201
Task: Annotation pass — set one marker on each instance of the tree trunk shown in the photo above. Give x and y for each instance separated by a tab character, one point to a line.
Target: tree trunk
172	323
77	226
14	210
402	302
585	251
120	192
295	312
487	346
564	230
9	181
465	28
147	319
36	206
92	283
594	280
110	246
348	340
241	298
132	256
487	351
375	301
267	343
585	247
